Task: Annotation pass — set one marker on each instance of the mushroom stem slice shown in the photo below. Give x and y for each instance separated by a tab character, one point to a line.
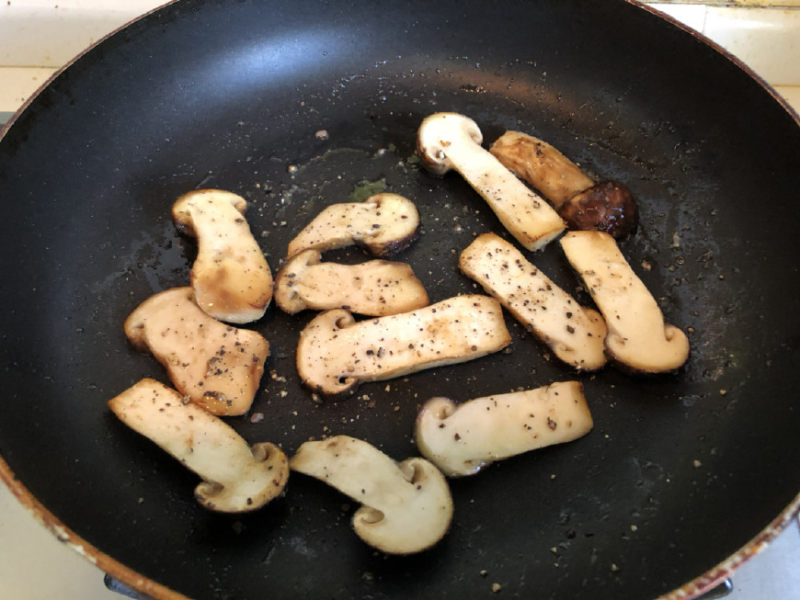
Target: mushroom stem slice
406	507
217	366
231	278
335	353
375	288
573	332
236	477
606	206
462	439
452	141
637	335
384	224
541	165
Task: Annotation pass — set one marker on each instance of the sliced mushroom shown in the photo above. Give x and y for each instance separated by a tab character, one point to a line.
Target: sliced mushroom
462	439
375	288
573	332
406	507
606	206
231	278
215	365
335	353
452	141
637	335
384	224
236	477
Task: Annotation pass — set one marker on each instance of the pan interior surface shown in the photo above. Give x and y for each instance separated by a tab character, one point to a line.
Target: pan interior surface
296	106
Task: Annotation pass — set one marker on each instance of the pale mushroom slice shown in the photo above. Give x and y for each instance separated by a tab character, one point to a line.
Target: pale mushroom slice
406	507
231	279
215	365
606	206
462	439
574	333
637	335
375	288
452	141
236	477
384	224
336	353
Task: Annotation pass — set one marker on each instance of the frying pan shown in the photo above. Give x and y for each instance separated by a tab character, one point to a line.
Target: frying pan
682	471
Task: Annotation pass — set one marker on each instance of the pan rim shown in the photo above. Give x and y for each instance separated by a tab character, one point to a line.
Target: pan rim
151	588
699	36
694	588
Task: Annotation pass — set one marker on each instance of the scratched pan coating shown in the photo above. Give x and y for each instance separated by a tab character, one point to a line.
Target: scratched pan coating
680	471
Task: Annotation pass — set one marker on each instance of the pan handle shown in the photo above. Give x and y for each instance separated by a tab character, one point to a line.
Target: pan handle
115	585
723	589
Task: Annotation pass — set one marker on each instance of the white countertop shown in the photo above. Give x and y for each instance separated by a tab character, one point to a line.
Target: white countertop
39	37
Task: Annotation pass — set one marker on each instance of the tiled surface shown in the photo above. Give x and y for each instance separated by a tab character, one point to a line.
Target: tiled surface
767	39
37	37
34	565
17	84
49	33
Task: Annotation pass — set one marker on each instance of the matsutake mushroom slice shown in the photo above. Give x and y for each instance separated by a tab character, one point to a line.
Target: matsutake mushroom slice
462	439
574	333
637	335
336	353
384	224
606	206
375	288
452	141
406	507
217	366
236	477
231	279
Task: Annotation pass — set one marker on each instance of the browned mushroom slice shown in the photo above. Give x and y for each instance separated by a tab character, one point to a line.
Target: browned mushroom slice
384	224
606	206
236	477
462	439
637	335
573	332
231	278
375	288
406	507
215	365
335	353
452	141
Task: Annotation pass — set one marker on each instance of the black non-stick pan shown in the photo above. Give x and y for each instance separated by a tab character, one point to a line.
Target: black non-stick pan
299	105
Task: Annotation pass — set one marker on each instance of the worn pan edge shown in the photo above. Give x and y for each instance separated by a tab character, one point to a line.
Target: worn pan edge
64	534
692	589
716	575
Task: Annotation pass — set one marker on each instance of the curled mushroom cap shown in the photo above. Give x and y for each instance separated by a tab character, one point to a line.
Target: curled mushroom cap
236	477
637	335
606	206
231	279
453	141
384	224
375	288
217	366
462	439
335	353
406	507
